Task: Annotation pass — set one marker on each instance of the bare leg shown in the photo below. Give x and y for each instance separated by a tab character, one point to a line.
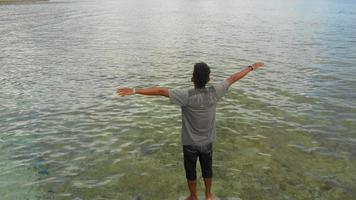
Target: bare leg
208	194
192	185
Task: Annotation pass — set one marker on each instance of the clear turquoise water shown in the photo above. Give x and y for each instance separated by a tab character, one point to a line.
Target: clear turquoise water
284	132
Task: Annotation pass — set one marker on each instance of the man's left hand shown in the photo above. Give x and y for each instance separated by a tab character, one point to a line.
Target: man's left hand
125	91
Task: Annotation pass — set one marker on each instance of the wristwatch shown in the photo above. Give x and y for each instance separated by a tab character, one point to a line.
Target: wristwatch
250	66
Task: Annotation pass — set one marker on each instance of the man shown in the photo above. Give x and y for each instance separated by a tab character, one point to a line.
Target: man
198	120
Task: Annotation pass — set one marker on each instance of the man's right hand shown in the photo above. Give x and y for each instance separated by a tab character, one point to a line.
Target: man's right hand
257	65
238	75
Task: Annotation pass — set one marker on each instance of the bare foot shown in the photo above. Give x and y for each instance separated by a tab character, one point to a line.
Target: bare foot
209	196
192	198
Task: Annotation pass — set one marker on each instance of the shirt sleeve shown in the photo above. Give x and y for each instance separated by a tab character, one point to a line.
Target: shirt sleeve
221	88
178	96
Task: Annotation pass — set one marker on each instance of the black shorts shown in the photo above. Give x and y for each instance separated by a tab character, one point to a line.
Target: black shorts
205	155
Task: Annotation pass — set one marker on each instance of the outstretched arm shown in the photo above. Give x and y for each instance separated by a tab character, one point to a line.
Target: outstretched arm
154	91
238	75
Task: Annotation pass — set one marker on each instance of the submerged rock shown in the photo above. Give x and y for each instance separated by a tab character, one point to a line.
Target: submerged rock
37	165
137	198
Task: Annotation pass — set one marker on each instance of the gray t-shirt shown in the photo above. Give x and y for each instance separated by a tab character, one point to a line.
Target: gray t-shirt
198	112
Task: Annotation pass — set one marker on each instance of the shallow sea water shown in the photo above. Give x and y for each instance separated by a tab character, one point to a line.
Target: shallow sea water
283	132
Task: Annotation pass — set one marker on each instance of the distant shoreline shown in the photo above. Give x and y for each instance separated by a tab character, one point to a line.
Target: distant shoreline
18	1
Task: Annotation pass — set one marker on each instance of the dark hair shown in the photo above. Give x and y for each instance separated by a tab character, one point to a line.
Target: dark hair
201	74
